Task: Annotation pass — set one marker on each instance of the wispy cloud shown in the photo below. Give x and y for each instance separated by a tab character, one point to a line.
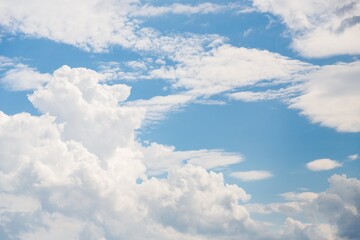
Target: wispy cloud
254	175
354	157
177	8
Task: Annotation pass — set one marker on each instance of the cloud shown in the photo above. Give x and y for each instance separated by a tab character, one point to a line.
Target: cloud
196	76
318	29
330	97
6	62
340	205
251	175
88	25
227	67
353	157
298	231
326	95
323	165
159	106
77	171
282	93
98	25
89	109
160	158
21	77
332	214
177	8
303	196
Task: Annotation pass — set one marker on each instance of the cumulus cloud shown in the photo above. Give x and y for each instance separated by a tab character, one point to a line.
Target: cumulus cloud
251	175
318	28
89	109
301	231
323	165
77	171
332	214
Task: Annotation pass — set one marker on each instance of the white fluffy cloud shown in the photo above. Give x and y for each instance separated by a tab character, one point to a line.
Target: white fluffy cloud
89	109
318	28
322	165
254	175
78	172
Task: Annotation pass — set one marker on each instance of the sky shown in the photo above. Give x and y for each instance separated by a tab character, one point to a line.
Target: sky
189	120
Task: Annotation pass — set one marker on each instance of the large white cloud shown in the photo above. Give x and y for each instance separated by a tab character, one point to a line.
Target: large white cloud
58	189
318	28
78	172
57	182
89	110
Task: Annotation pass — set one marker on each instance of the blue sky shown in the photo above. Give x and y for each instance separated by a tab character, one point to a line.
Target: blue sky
199	119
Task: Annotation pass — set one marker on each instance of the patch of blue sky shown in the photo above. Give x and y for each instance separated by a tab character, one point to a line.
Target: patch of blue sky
269	135
15	102
147	89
